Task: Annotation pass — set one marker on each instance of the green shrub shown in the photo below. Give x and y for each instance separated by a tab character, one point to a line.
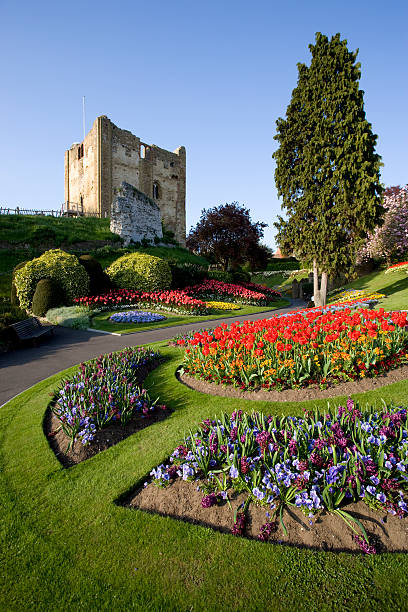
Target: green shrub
240	276
9	313
98	280
76	317
13	294
62	267
186	274
220	275
140	271
47	295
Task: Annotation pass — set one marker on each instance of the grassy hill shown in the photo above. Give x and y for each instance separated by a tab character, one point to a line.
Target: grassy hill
35	230
393	285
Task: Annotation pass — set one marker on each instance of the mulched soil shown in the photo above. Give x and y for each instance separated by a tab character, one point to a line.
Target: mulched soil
181	500
296	395
104	438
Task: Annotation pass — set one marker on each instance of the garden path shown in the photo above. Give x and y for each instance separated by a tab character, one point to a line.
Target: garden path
25	367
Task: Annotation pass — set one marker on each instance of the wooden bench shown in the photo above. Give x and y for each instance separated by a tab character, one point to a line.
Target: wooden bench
31	329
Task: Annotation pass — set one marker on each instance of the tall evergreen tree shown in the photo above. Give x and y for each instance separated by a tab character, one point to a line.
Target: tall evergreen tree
327	171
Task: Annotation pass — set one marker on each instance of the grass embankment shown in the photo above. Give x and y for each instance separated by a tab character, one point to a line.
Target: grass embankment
394	285
65	544
101	321
37	229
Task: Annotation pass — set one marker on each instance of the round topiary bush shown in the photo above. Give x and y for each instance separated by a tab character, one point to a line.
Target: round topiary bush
62	267
98	280
13	294
140	271
47	295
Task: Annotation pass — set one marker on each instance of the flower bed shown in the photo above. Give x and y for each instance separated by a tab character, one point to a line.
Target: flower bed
356	294
222	306
399	267
316	463
213	289
300	349
136	316
103	391
171	301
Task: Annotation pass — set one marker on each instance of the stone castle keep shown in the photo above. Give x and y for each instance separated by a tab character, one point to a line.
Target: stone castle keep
108	156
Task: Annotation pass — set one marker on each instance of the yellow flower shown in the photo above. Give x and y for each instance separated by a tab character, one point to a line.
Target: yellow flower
222	306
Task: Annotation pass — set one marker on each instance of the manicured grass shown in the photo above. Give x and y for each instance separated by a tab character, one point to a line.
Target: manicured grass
101	321
394	285
65	544
270	281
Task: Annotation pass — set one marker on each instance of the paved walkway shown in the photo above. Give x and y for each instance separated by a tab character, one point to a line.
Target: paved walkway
25	367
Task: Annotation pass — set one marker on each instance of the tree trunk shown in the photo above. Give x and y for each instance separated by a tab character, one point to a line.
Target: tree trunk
316	292
320	295
323	289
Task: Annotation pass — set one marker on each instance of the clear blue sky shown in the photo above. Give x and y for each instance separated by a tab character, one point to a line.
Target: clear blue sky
213	76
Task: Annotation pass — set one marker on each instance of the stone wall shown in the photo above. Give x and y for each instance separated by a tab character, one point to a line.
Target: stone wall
117	156
135	216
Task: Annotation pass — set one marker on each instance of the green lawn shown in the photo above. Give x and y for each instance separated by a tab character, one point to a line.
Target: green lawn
101	321
394	285
66	544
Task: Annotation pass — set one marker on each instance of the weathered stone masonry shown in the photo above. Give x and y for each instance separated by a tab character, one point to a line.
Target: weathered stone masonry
108	156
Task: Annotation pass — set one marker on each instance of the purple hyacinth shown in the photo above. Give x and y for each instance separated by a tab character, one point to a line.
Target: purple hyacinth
209	500
239	525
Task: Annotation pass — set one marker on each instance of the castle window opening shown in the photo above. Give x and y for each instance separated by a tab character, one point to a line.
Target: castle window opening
156	191
80	151
142	151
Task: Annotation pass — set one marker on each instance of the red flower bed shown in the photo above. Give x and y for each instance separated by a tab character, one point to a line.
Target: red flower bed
177	301
230	292
300	349
271	293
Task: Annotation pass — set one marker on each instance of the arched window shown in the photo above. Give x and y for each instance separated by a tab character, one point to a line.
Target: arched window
156	190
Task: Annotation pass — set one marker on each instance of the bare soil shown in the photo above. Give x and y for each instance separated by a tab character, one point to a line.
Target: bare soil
104	438
296	395
182	501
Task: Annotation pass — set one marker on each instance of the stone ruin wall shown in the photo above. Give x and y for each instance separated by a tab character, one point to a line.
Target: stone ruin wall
113	156
135	216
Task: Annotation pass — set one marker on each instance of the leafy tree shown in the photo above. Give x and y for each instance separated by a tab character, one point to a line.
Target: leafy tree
227	233
327	171
390	241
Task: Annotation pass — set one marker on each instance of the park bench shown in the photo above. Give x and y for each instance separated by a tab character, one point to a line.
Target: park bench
31	329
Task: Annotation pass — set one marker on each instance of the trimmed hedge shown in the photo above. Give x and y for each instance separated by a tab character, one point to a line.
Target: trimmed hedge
186	275
13	294
46	295
99	282
141	272
62	267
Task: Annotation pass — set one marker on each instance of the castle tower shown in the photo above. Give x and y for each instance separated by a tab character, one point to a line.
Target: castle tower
96	167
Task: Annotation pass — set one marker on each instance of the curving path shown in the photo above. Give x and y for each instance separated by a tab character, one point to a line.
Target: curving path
25	367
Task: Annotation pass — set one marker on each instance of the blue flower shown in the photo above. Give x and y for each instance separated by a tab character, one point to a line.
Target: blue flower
234	473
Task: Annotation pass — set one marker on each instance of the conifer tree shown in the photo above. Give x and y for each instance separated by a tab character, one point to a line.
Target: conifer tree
327	170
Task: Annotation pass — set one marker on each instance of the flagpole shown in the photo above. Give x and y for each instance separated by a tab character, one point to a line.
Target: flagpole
83	114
